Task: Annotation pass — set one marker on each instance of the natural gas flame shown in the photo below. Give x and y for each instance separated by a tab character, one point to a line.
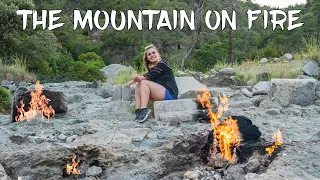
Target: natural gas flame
226	133
38	106
277	142
72	168
228	136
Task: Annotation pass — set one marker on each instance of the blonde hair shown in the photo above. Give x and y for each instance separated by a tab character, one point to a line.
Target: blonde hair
147	64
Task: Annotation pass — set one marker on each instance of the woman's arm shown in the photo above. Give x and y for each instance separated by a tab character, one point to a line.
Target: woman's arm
135	79
129	83
139	78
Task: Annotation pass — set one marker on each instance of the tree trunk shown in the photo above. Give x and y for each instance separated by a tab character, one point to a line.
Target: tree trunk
230	60
196	36
187	56
230	46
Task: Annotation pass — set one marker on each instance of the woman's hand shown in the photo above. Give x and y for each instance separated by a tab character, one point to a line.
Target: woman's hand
129	83
138	78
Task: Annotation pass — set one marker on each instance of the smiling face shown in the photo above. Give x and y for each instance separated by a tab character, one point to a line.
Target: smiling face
152	55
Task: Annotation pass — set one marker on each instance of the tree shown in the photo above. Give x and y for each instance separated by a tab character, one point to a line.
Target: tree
195	38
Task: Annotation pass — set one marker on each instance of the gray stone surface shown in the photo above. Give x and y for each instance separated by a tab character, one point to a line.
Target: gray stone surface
127	93
246	92
213	72
3	174
185	106
273	111
23	84
5	83
311	68
227	71
263	60
113	70
252	166
318	90
293	91
124	149
181	73
186	84
262	87
287	57
93	171
117	92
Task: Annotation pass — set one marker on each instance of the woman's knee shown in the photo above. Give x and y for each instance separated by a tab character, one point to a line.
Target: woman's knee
143	82
137	87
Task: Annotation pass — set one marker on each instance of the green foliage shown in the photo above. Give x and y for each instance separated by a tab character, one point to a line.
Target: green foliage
79	44
313	47
88	71
138	59
209	54
5	100
252	70
90	56
62	63
123	77
271	50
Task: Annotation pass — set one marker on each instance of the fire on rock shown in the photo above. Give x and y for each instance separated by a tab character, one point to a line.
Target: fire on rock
234	140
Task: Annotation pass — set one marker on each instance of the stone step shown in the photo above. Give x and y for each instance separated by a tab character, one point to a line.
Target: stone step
186	106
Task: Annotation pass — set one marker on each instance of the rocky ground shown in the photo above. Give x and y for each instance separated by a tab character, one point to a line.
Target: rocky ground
100	131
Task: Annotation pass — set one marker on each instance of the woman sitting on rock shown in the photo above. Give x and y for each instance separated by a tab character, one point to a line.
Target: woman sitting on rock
156	85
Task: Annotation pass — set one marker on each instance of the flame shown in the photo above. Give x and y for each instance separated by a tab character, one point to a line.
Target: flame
226	133
72	169
278	141
38	105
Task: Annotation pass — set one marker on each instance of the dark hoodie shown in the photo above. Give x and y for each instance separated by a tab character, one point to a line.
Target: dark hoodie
162	74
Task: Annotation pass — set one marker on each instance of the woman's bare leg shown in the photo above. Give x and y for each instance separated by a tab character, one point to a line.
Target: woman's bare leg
149	89
137	96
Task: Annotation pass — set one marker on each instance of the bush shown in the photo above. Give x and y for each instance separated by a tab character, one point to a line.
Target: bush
5	100
209	54
88	71
16	71
62	64
90	56
271	50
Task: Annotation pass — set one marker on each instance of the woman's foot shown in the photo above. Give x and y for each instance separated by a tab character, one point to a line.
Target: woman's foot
137	114
144	114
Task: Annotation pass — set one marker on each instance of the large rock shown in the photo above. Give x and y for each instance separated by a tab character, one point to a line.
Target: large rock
221	80
180	107
214	91
318	90
311	68
5	83
58	101
3	174
186	84
262	87
287	57
227	71
120	92
113	70
263	60
293	91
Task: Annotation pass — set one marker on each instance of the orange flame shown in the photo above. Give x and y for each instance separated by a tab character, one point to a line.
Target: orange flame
226	132
278	141
38	105
72	169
